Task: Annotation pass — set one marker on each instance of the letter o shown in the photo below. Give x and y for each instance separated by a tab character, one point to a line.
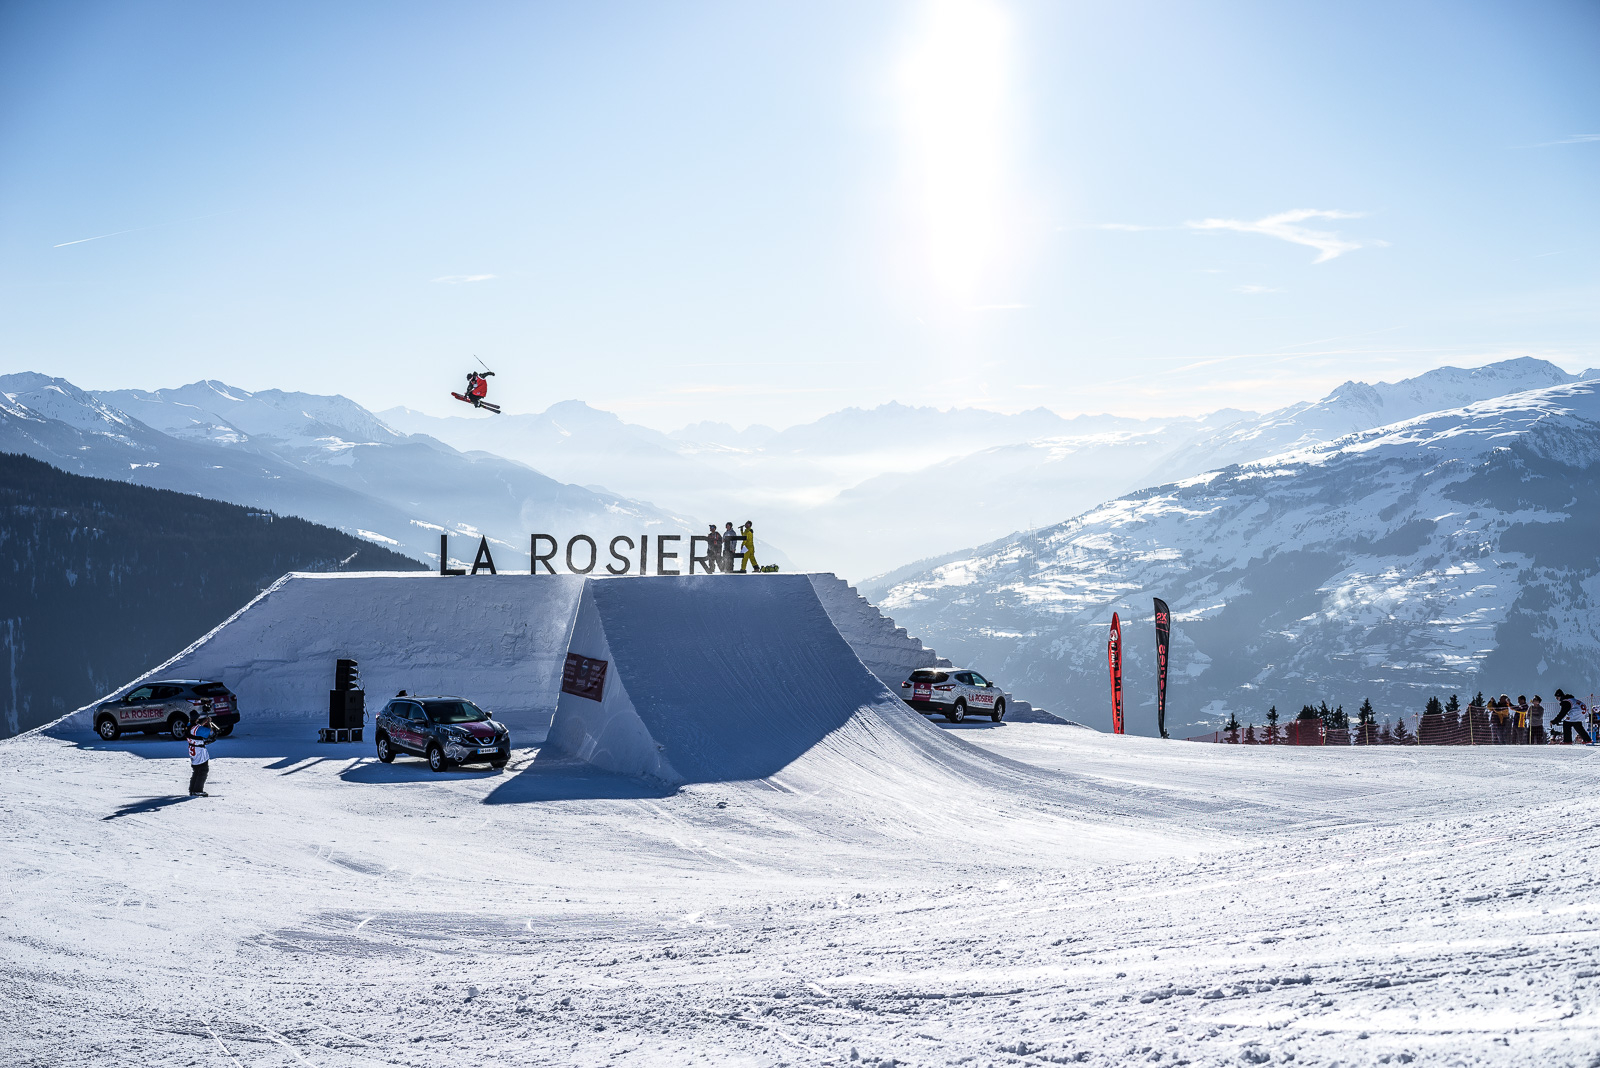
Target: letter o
593	554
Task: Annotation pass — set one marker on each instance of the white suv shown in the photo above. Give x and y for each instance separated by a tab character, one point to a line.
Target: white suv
954	692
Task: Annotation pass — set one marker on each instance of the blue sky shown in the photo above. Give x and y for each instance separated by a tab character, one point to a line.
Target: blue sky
764	212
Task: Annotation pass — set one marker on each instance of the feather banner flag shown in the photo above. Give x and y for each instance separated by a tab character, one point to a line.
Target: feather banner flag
1163	640
1114	659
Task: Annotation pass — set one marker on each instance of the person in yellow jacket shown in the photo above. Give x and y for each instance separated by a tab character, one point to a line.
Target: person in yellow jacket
749	556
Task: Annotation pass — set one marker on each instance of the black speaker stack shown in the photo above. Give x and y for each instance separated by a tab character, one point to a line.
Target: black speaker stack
347	703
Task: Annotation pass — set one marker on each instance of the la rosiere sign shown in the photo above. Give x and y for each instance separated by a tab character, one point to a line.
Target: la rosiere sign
583	554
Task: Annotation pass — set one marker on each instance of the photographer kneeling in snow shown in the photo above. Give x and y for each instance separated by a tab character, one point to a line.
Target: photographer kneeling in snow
201	735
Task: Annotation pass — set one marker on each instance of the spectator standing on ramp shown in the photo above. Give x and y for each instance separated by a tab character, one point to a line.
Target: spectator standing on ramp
201	735
714	548
729	538
749	536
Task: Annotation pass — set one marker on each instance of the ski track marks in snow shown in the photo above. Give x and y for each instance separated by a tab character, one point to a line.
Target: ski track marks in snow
1362	907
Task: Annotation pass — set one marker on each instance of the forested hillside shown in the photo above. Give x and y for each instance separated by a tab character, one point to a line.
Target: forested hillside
101	580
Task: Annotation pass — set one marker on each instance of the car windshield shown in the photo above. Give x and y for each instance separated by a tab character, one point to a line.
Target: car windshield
454	712
928	676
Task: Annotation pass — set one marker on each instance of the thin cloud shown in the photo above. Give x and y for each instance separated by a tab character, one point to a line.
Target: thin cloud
141	229
1283	226
1254	289
1575	139
460	279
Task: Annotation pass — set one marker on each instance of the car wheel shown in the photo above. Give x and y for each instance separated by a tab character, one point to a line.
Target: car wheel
178	727
436	760
957	713
106	727
498	762
999	712
385	750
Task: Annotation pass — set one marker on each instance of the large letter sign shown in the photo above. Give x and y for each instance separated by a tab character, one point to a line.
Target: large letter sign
583	555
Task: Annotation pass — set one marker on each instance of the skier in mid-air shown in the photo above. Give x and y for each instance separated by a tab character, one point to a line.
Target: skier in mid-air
477	390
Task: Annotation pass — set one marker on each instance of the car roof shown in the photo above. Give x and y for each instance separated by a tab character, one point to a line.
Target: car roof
428	697
180	682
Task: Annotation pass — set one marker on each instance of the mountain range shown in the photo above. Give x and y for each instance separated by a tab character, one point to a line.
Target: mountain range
1449	552
325	459
862	491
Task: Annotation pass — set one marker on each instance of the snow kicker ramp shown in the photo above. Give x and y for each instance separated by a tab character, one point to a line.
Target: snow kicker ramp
714	679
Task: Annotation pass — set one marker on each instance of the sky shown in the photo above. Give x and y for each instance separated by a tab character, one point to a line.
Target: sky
766	212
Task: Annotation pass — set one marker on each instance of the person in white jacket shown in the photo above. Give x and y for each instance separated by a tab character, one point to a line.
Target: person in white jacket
201	734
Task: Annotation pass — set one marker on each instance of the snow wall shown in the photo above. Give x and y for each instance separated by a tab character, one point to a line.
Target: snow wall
499	638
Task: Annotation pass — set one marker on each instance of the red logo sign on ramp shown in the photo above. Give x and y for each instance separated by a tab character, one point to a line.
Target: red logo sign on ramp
583	677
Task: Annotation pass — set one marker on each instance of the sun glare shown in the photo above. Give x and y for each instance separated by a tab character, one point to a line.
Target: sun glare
955	105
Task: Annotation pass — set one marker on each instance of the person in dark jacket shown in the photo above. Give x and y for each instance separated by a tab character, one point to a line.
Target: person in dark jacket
1569	722
730	540
714	548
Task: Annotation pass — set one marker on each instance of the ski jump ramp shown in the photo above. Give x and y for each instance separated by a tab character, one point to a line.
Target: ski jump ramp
708	678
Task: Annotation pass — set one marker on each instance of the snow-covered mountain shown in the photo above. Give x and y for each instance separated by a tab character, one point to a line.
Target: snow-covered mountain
1358	406
863	490
1452	552
325	459
823	489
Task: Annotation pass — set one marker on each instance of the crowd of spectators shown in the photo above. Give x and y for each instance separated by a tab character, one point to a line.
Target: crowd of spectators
1491	721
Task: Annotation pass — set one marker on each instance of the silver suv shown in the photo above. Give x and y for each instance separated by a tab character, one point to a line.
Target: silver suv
954	692
167	707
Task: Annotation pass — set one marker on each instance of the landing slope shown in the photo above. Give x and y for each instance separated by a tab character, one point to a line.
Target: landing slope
719	679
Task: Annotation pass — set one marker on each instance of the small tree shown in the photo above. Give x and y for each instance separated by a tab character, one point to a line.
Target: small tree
1341	721
1272	725
1478	700
1364	714
1307	712
1232	727
1452	706
1434	708
1386	736
1250	735
1401	735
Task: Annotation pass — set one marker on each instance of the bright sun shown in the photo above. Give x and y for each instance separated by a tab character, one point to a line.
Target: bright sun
955	107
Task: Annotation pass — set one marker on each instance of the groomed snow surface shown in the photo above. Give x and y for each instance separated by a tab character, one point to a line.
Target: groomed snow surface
889	891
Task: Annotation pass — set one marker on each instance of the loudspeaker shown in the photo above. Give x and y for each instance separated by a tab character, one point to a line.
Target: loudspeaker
346	675
346	709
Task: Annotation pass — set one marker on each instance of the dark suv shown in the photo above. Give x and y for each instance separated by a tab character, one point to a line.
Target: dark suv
445	730
166	707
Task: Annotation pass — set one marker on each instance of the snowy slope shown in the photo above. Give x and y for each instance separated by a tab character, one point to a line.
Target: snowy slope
1448	553
322	458
1204	905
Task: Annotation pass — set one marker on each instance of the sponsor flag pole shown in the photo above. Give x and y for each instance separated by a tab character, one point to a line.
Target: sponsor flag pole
1163	641
1114	659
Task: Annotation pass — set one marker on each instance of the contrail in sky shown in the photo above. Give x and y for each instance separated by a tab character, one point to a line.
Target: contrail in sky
137	229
